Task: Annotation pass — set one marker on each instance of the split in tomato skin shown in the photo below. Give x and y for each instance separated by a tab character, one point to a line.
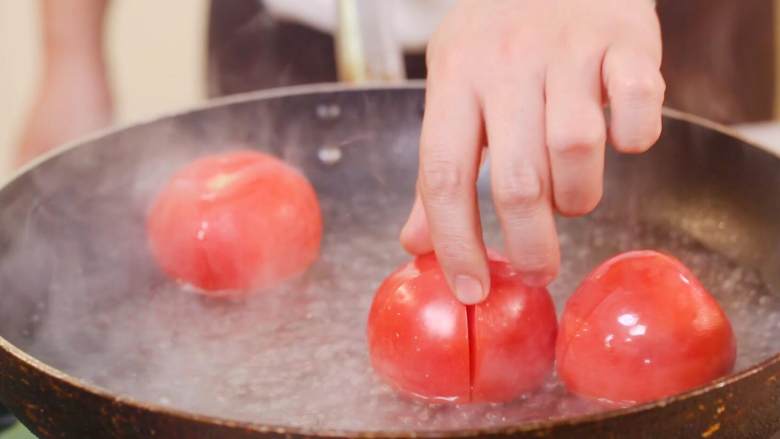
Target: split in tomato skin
513	338
642	327
427	344
235	221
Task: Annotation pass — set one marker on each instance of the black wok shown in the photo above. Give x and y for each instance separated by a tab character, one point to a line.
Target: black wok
72	239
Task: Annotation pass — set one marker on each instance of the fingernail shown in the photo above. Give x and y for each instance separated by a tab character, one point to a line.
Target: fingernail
537	279
468	290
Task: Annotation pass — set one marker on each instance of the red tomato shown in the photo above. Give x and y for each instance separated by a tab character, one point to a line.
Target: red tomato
429	345
235	221
641	327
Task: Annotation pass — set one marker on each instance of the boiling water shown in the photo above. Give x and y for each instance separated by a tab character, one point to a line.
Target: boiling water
297	356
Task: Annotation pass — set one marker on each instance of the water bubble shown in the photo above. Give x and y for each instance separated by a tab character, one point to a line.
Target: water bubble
330	155
328	111
297	355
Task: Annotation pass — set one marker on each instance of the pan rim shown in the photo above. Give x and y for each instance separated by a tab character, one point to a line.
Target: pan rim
546	424
324	87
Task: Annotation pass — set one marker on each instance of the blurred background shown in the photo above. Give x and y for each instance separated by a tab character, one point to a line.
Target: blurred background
158	69
720	59
155	54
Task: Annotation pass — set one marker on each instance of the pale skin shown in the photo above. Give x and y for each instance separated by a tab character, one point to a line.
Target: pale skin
528	79
73	96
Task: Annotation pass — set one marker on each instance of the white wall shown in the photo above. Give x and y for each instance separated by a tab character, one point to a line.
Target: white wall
18	68
156	53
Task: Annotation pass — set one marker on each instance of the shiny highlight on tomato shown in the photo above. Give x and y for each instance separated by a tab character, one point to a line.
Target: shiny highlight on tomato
236	221
642	327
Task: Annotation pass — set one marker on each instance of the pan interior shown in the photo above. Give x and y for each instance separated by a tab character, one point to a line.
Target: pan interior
81	293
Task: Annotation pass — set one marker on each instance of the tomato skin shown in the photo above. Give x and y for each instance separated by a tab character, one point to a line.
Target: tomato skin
235	221
418	334
513	338
420	339
642	327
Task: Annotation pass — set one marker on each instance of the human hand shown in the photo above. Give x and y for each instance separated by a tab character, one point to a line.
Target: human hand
529	78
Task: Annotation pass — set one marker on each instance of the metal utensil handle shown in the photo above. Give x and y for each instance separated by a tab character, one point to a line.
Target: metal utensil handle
366	46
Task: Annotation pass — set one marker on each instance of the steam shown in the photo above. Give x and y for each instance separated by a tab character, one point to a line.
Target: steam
80	290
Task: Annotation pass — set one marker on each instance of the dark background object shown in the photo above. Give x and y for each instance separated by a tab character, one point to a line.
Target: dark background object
249	50
692	162
719	58
719	55
6	419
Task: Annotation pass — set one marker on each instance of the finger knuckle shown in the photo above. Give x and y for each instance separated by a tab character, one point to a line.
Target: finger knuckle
518	191
572	41
453	249
578	140
515	48
444	59
441	179
647	87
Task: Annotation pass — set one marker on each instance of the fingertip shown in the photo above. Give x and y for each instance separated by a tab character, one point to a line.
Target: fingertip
537	280
538	268
580	203
635	139
416	241
541	277
415	236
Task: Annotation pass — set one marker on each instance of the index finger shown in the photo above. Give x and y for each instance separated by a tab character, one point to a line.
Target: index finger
449	160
